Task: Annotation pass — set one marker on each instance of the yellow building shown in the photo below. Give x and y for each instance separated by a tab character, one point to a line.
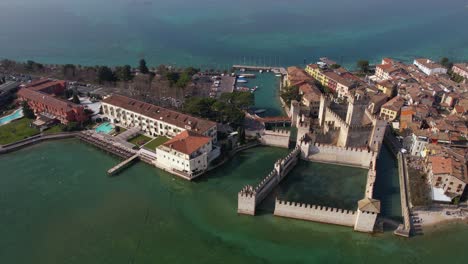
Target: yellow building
391	109
314	71
387	87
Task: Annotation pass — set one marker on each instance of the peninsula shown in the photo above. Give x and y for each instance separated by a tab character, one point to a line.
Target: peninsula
188	122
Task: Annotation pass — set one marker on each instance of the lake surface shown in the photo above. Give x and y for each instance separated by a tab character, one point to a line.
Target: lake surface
59	206
219	33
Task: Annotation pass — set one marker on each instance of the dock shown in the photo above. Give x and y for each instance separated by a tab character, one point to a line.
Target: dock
124	164
405	228
276	70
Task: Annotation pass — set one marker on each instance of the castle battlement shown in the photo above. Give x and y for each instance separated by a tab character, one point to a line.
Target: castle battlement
336	117
314	207
278	132
352	149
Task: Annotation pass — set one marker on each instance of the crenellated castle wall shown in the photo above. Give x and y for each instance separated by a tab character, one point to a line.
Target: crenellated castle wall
276	138
357	157
315	213
249	197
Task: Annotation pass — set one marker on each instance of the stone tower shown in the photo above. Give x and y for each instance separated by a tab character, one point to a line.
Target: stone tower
324	102
294	112
368	209
378	134
356	107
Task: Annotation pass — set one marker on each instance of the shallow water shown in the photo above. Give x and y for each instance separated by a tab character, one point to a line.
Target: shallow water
59	206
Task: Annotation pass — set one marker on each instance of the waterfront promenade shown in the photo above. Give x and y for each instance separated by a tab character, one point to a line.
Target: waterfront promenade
35	140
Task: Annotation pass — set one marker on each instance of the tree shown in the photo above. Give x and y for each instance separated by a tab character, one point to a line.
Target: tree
172	77
290	93
142	67
183	80
105	74
27	111
75	99
69	70
33	66
446	63
124	73
242	100
363	65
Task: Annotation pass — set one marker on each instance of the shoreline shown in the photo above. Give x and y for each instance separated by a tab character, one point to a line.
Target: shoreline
433	221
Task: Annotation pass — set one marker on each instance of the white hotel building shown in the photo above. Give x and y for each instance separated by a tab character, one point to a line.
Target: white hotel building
190	149
429	67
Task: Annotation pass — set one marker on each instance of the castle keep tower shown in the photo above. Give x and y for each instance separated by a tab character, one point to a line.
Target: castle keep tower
356	107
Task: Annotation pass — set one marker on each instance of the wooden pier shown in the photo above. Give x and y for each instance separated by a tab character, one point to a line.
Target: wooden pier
124	164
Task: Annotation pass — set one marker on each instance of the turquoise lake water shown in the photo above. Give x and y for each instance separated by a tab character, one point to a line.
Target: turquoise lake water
211	33
59	206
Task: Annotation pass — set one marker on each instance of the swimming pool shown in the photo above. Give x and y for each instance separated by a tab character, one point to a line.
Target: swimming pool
105	128
18	113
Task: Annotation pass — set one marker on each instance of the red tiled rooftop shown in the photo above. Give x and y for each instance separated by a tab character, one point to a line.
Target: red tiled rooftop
46	99
187	142
160	113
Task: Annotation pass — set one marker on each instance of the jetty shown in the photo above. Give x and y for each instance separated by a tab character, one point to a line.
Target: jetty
124	164
276	70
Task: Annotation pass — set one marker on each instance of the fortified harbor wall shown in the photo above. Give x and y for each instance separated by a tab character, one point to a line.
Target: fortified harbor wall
276	138
364	218
249	197
315	213
357	157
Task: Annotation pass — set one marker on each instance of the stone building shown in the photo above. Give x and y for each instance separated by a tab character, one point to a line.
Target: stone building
349	123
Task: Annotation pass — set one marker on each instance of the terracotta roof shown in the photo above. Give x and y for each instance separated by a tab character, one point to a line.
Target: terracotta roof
394	104
441	165
156	112
46	99
43	84
387	68
187	142
449	162
337	78
296	74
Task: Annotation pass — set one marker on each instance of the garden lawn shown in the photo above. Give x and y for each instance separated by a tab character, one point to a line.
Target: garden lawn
53	130
16	130
140	140
152	145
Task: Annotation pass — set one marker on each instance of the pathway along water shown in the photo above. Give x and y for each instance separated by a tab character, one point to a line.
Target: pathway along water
58	206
